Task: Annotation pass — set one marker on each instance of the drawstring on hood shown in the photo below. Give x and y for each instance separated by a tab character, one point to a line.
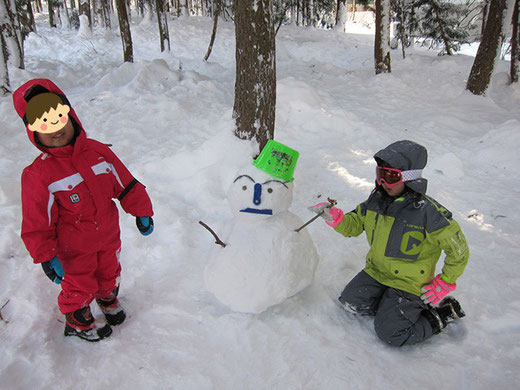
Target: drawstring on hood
406	155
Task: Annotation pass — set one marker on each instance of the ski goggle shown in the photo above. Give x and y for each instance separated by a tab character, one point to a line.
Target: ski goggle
392	177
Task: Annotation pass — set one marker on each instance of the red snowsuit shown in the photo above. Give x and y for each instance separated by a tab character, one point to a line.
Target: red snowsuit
68	210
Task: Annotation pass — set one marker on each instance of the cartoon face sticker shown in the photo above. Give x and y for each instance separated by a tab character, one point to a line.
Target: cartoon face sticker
256	195
51	121
46	113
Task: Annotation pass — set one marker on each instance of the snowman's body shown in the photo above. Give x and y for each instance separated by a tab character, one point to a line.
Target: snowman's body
265	261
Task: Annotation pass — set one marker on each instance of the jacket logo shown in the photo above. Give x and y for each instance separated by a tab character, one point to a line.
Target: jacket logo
74	198
411	243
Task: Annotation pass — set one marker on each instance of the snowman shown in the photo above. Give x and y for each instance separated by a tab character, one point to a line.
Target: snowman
264	260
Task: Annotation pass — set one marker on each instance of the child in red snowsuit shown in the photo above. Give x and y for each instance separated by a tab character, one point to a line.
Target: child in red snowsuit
70	222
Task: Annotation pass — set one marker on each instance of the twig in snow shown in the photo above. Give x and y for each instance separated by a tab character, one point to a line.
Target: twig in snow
1	317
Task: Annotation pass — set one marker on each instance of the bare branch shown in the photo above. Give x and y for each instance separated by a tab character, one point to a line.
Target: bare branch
217	239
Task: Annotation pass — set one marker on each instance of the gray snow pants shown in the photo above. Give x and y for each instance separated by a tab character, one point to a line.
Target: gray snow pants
398	314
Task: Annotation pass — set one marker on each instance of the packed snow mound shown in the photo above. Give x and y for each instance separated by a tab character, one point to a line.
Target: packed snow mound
448	165
147	76
263	264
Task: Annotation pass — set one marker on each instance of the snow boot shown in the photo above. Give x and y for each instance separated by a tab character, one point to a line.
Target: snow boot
80	323
449	310
111	308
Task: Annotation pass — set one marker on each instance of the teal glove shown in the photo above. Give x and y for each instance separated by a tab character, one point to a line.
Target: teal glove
53	269
145	225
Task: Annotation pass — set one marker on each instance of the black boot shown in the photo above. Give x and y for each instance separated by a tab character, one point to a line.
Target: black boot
111	308
449	310
80	323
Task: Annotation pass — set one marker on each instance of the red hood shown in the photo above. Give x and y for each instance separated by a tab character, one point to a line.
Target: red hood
40	85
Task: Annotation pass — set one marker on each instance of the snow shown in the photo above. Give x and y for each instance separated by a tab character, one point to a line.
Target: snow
168	116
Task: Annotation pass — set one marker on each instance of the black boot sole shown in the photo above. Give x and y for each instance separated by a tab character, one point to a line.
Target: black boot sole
92	335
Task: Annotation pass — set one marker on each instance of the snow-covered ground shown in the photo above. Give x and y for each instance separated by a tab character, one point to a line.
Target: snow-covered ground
168	117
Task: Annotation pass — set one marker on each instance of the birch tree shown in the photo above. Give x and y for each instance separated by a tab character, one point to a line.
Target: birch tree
124	28
255	84
382	37
489	49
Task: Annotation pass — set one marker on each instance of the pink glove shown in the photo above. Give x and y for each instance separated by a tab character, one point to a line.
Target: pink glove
437	290
332	215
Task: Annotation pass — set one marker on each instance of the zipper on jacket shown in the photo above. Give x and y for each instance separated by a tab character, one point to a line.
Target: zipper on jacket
374	230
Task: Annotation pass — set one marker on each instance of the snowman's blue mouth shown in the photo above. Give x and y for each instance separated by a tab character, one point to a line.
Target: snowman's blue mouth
257	211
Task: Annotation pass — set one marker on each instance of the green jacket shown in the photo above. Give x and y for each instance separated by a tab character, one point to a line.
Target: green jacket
406	238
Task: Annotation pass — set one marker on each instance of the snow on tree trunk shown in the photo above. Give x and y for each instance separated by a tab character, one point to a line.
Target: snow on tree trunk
255	84
162	20
515	42
341	15
124	28
489	49
5	86
11	34
84	29
382	37
84	9
64	15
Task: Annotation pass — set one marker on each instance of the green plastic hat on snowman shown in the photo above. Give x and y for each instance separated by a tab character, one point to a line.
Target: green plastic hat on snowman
277	160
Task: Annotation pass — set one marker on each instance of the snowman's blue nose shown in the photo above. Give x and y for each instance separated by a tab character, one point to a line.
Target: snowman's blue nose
257	197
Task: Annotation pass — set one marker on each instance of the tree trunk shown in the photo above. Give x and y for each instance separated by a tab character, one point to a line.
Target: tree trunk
255	84
489	49
31	25
218	6
485	12
382	38
515	39
105	11
124	28
440	23
50	7
84	9
5	87
163	25
341	15
11	34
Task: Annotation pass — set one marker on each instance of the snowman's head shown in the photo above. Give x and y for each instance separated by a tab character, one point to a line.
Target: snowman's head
255	194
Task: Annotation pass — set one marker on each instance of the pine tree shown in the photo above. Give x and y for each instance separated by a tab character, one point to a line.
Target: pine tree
440	21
